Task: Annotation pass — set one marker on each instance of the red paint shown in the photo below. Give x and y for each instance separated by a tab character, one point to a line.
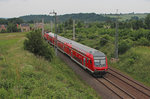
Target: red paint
77	54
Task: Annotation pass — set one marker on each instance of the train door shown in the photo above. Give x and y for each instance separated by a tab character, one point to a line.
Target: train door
71	53
84	61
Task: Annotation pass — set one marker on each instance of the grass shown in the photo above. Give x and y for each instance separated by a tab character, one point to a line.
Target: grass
135	63
124	17
24	75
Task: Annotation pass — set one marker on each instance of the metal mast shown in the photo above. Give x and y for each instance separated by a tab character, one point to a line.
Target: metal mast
42	27
73	29
51	23
116	37
55	34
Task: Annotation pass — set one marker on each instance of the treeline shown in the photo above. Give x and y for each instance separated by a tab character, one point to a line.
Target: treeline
11	24
11	20
133	23
88	17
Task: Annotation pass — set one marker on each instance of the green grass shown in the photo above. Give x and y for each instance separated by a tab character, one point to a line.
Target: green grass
135	63
24	75
124	17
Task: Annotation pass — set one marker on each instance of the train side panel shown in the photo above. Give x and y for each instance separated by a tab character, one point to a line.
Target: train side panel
86	60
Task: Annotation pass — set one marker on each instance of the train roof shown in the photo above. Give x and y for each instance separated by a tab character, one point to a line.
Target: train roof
79	46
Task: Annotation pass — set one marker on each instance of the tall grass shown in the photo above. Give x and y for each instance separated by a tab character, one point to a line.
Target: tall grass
135	63
24	75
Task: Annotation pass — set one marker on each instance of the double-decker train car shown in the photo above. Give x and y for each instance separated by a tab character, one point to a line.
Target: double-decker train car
89	58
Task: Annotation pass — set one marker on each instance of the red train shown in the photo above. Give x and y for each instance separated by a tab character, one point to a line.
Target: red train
89	58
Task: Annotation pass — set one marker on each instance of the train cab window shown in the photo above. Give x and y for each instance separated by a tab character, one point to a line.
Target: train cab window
87	60
99	61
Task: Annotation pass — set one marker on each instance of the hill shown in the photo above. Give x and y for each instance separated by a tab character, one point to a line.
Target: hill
88	17
124	17
26	76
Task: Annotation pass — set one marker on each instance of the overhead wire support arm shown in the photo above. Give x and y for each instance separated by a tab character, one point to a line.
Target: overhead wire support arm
55	34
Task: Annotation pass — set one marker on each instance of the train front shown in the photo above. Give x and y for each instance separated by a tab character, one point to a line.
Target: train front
100	63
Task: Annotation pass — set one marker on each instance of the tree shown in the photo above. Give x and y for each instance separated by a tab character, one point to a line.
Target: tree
15	20
124	45
104	39
79	24
35	44
137	24
3	21
147	21
12	27
3	31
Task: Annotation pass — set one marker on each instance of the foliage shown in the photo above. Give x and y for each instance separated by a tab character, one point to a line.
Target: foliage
12	27
3	21
11	24
104	39
25	76
147	21
124	45
11	20
135	62
37	45
143	42
3	31
15	20
89	17
132	57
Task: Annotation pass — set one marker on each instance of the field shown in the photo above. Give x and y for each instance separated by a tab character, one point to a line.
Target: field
24	75
124	17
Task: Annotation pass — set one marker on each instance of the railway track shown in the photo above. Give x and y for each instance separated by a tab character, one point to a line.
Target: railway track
136	89
114	84
121	93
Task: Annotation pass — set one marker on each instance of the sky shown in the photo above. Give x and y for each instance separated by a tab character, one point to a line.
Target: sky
16	8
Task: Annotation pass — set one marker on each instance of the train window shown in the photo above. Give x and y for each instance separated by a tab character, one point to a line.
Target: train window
100	63
87	60
103	62
90	62
84	61
97	62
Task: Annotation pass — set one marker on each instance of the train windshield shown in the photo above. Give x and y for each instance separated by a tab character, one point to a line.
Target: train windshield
99	61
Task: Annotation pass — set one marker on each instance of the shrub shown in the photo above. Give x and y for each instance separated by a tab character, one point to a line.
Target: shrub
104	39
124	45
92	36
35	44
3	93
143	41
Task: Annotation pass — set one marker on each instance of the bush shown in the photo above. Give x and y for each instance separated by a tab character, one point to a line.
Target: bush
143	41
124	45
3	93
35	44
104	39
